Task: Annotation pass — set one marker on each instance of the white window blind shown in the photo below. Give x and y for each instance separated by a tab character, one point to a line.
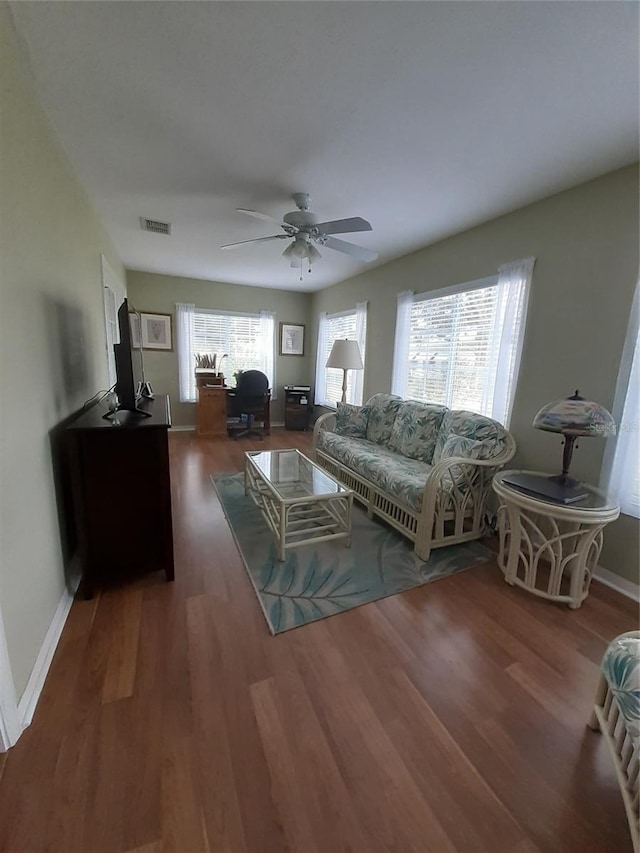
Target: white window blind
463	344
246	339
351	325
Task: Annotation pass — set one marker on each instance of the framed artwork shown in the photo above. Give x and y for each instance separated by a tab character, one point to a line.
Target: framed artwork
155	331
291	339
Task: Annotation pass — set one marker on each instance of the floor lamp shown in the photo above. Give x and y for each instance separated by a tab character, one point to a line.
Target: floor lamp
345	355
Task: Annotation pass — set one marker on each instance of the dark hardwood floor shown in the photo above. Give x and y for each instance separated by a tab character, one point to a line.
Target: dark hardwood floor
448	718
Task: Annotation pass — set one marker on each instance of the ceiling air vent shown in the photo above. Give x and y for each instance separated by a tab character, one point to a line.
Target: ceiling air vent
154	226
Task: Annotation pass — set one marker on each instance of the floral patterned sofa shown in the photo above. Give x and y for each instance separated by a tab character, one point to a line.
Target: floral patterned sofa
616	713
425	469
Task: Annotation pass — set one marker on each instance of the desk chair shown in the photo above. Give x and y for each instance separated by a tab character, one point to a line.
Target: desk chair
250	399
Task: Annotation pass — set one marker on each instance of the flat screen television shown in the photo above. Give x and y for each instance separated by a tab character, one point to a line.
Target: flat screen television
130	381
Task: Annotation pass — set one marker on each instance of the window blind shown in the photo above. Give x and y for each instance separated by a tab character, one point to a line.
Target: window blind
450	349
461	346
339	327
353	326
242	337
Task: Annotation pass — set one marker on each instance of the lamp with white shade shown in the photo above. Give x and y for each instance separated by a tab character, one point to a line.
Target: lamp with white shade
345	355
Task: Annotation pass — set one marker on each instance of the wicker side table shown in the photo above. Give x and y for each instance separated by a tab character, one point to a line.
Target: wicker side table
543	543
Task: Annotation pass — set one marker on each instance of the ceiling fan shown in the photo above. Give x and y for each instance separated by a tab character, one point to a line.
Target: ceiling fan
302	226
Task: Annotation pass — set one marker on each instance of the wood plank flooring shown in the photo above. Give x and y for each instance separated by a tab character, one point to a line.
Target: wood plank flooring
448	718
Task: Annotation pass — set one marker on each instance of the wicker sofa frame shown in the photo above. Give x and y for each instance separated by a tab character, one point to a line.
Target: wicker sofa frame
448	516
624	749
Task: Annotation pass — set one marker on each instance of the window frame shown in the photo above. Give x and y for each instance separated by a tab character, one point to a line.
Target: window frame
252	315
351	379
496	349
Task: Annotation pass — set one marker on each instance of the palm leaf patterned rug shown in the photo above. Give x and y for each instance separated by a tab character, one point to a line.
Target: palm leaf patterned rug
325	578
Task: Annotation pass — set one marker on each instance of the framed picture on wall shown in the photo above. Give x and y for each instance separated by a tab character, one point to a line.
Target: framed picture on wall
155	331
291	339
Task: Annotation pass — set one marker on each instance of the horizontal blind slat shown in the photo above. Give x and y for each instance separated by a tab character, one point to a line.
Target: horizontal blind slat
450	348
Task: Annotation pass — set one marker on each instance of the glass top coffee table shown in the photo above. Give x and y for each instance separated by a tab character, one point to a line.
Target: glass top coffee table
299	501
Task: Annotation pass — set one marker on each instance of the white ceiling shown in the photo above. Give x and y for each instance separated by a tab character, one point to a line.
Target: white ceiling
423	117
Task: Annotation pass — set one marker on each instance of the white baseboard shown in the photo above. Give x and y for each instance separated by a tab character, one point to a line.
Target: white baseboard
10	728
621	585
29	699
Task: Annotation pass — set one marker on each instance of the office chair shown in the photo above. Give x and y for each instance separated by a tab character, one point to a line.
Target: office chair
250	399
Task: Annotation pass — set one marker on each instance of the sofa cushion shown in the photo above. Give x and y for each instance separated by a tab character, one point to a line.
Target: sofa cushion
351	420
621	668
474	426
416	428
468	448
383	409
401	477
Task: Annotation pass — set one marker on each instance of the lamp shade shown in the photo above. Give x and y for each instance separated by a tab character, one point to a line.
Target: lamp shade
575	416
345	355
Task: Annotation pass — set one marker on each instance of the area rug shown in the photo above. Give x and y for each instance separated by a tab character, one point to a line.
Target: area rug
322	579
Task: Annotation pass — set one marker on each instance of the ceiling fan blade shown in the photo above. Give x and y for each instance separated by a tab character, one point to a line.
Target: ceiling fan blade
256	240
290	229
357	252
344	226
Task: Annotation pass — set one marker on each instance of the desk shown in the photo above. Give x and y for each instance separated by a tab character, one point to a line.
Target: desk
211	411
215	405
566	537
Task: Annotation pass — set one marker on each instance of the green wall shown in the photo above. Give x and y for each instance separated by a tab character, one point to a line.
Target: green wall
586	244
52	347
159	293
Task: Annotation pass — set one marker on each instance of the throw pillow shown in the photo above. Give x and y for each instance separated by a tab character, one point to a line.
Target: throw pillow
383	409
415	429
351	420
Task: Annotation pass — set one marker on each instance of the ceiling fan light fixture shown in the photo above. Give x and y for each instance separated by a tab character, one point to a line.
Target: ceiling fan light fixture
300	248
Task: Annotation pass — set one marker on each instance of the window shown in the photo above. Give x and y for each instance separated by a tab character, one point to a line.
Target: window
461	346
346	324
622	461
248	341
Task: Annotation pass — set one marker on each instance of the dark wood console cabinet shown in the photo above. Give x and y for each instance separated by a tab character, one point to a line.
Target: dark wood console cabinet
122	492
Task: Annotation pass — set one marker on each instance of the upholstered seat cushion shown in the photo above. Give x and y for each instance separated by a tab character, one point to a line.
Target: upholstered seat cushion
403	478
